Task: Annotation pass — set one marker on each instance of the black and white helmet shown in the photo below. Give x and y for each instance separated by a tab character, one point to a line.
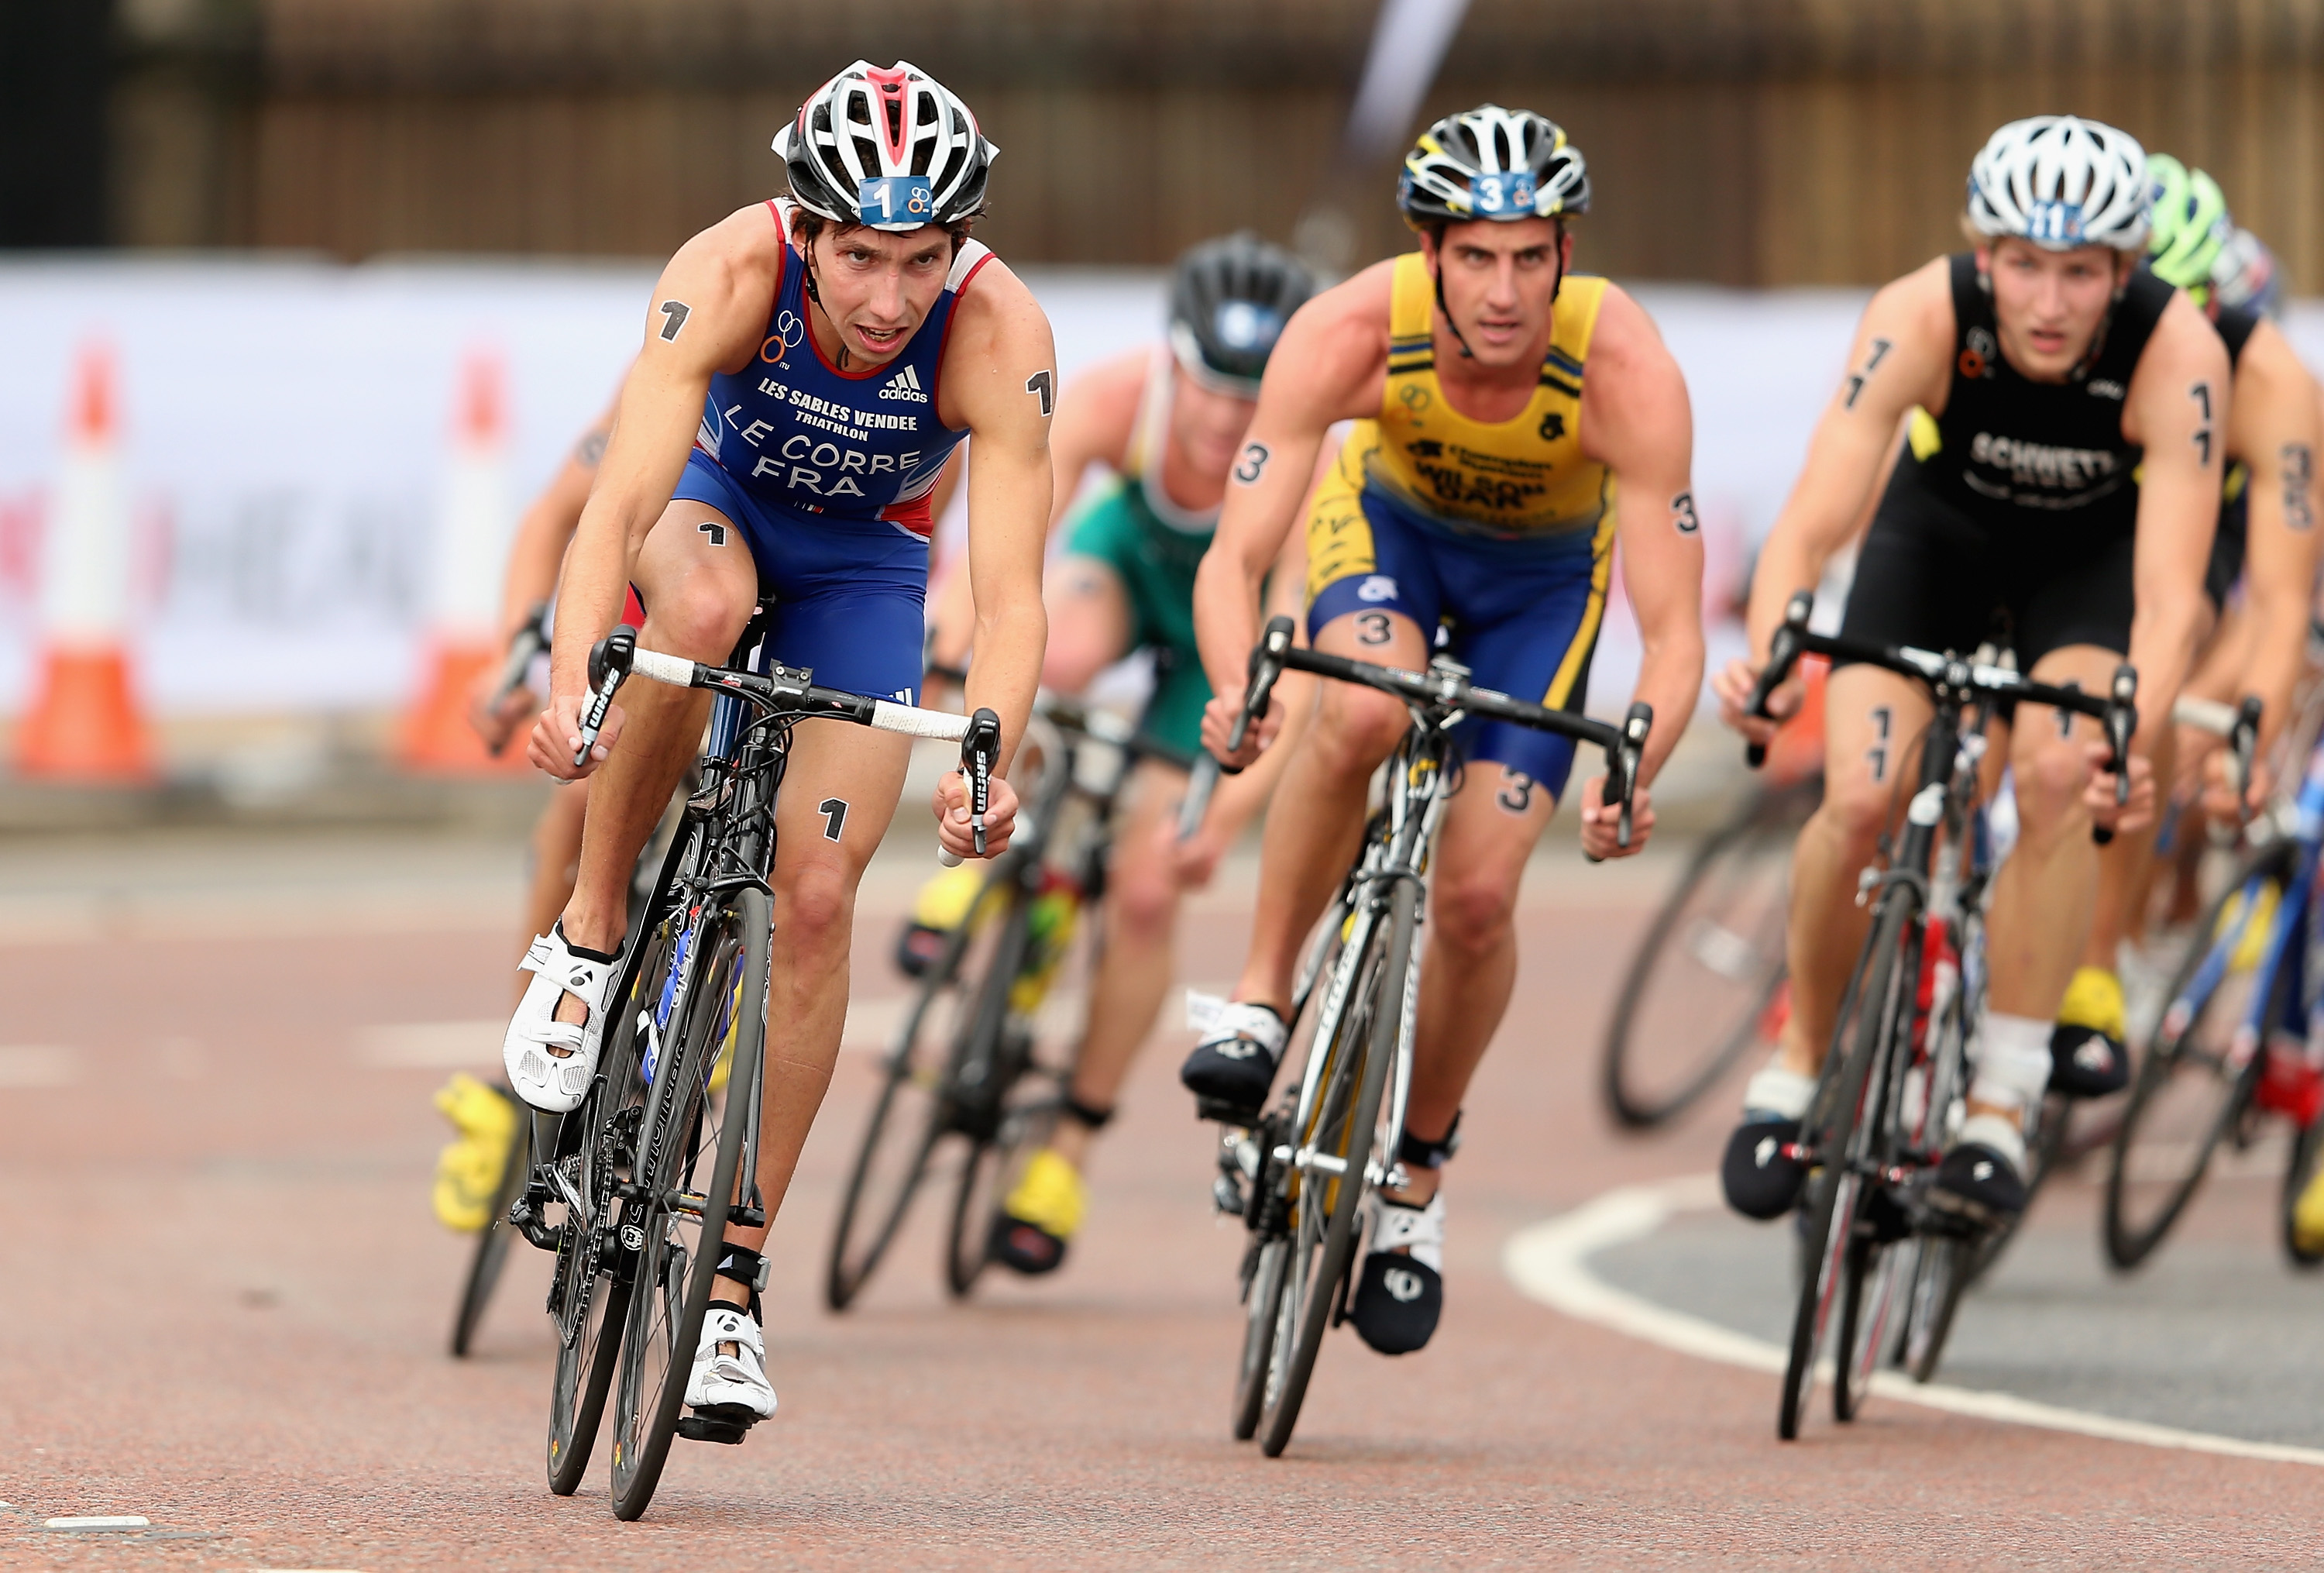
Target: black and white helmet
2061	183
1229	300
1491	163
888	147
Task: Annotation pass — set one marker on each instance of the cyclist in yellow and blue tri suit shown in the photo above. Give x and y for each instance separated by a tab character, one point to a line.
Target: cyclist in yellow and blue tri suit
1500	401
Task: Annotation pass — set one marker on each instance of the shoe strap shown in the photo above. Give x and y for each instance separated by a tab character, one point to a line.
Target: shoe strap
1399	1226
587	980
732	1326
1253	1023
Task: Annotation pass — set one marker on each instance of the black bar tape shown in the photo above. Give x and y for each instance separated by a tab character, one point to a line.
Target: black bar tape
1427	1154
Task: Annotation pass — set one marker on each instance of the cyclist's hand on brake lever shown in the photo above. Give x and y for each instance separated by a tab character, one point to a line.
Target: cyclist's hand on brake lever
1600	824
954	832
556	737
1218	719
1733	684
497	715
2098	797
2219	794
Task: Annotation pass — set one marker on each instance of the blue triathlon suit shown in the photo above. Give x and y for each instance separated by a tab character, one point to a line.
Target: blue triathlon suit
827	474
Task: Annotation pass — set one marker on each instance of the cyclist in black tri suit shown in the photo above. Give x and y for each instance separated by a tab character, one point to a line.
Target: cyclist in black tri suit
2066	484
2258	643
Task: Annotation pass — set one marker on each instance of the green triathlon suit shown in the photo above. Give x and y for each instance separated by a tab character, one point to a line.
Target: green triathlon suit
1153	546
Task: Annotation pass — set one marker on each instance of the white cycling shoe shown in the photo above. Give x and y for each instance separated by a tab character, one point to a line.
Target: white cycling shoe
549	1062
731	1387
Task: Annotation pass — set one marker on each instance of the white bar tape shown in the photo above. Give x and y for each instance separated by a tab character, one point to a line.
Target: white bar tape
2203	715
915	722
948	858
663	668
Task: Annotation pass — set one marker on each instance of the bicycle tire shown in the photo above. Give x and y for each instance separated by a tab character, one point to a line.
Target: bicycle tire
988	1173
589	1339
491	1253
1262	1302
1371	1037
916	1106
1003	1127
1763	829
2179	1143
1837	1193
672	1276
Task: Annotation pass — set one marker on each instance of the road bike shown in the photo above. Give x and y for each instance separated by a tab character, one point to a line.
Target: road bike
1299	1176
635	1187
1894	1088
978	1063
2241	1037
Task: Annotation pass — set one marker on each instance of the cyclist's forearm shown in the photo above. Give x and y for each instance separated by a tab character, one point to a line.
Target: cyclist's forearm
591	589
1670	679
2163	632
1006	670
1227	614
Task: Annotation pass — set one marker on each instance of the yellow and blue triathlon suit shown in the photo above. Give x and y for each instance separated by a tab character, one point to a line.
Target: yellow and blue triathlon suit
1501	533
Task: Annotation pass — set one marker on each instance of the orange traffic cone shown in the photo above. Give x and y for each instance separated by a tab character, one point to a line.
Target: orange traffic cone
471	539
85	723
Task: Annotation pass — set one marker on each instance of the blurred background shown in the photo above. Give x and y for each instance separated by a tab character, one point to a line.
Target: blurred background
327	286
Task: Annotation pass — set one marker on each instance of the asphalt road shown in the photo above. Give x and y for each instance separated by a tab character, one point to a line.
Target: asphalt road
223	1301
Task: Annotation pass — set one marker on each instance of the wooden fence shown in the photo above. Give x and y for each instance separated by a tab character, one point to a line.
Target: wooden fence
1745	142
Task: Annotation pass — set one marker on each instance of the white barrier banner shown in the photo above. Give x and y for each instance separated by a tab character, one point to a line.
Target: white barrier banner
286	435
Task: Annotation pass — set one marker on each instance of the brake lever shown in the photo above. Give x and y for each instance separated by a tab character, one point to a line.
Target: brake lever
1635	728
1266	667
979	747
1782	654
609	663
2121	722
2243	743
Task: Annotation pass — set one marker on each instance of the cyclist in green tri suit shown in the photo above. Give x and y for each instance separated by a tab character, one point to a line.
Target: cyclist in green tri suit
1167	420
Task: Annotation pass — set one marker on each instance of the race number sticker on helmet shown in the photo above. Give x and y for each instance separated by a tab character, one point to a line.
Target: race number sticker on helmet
896	202
1496	164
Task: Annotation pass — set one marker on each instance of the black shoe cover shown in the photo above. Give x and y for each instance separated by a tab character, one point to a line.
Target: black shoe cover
1235	1071
1760	1179
1026	1248
2085	1062
1977	1182
1397	1303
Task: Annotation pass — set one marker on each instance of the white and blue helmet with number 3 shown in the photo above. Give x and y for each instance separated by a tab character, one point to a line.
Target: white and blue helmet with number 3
2061	183
1495	163
890	147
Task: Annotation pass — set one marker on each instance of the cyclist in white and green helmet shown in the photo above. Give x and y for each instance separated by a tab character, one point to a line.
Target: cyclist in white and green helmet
2259	585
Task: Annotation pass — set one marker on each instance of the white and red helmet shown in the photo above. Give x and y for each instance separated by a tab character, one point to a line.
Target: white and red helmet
890	147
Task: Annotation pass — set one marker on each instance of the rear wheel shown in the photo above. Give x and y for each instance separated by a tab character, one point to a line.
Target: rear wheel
493	1241
1341	1126
2197	1077
917	1102
1844	1124
1709	967
690	1168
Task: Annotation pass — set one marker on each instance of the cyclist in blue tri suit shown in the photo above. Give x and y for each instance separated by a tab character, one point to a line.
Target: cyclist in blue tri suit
807	366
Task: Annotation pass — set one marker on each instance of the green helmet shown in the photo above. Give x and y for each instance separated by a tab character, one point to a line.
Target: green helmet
2189	221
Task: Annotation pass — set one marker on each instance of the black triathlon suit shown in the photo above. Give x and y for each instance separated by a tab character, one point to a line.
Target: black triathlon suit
2235	324
2021	522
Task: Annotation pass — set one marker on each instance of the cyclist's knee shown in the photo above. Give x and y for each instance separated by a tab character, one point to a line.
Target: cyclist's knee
1473	908
1856	810
1356	730
1144	901
814	905
2048	774
697	618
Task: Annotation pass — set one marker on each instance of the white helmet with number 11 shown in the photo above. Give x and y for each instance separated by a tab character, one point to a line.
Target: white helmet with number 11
2061	183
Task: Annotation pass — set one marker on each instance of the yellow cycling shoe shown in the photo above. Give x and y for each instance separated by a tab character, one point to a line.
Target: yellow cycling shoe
2087	1059
2308	1218
1040	1215
942	906
468	1170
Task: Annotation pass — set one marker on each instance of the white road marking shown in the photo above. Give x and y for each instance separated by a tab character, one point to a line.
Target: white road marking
38	1065
1550	1262
107	1523
475	1045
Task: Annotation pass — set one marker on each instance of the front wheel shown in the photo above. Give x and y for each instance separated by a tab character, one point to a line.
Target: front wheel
690	1173
2199	1073
1709	967
1342	1132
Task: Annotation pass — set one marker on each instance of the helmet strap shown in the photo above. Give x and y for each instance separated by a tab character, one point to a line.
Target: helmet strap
816	295
1446	311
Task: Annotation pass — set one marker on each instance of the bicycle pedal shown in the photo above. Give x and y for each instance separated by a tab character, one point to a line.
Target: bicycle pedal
726	1423
1224	1112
